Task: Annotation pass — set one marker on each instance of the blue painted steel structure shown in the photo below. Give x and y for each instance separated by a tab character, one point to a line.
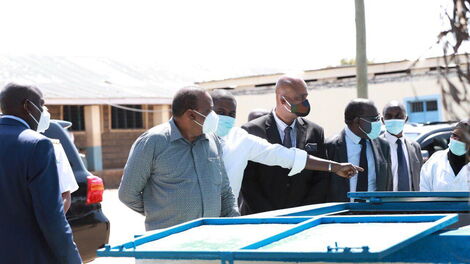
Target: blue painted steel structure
438	211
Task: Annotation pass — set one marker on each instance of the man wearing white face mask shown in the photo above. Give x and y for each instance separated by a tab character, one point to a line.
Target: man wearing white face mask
175	172
449	170
405	154
240	147
32	219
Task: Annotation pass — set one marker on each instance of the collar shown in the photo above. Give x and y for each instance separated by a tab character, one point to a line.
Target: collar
175	133
17	119
280	124
393	139
353	137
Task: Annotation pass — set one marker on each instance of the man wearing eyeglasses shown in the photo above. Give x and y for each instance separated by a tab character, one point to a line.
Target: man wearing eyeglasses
359	144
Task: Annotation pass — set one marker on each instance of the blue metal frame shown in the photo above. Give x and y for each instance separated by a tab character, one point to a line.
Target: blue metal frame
130	247
249	252
364	195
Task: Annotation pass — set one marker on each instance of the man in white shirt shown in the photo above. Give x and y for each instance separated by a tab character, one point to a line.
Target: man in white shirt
239	147
405	154
67	182
449	170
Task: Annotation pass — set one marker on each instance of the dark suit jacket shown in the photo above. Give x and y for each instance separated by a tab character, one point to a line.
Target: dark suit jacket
336	149
33	227
266	188
416	162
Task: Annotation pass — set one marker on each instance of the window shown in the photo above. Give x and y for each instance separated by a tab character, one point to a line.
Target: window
431	105
126	119
423	109
417	107
75	114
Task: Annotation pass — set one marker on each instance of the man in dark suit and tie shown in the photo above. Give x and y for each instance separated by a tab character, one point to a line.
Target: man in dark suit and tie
33	227
359	143
266	188
405	154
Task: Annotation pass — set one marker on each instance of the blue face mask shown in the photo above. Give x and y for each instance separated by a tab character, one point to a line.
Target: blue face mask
375	129
458	148
394	126
226	123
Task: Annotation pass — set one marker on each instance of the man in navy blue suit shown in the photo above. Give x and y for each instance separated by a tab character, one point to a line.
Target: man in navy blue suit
33	227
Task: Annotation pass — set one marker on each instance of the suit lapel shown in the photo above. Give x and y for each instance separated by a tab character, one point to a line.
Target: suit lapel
301	128
382	182
412	157
342	156
343	150
272	133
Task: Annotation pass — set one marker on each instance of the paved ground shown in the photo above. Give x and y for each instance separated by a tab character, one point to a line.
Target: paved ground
125	223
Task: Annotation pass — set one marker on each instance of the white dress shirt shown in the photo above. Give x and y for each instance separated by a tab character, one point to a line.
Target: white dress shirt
392	140
438	176
354	155
239	147
67	182
281	127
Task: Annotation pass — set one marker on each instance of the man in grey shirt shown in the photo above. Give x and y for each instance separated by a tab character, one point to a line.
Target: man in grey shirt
175	172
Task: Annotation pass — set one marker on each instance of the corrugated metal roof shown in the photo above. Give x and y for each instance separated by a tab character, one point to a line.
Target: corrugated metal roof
88	80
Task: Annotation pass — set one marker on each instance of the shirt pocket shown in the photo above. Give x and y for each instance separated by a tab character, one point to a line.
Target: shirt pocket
216	168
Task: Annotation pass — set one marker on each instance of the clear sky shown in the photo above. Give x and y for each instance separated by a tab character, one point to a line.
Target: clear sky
226	38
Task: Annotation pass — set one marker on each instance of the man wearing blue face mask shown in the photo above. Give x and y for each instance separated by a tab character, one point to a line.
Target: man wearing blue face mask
405	154
239	147
175	172
449	170
359	143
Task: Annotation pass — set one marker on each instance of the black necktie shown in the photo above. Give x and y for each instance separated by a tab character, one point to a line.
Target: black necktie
362	177
287	142
403	177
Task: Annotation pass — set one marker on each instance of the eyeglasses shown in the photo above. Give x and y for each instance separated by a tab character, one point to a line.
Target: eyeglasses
370	118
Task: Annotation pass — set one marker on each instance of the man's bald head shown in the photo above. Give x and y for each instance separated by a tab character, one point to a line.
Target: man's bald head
222	94
289	83
394	104
14	96
23	101
224	103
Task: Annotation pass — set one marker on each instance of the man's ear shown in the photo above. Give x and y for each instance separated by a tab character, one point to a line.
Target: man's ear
190	114
406	119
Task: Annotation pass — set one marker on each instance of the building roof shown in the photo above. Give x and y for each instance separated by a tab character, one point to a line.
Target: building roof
331	73
87	80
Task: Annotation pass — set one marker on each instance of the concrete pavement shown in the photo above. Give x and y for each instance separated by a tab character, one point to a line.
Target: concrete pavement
125	223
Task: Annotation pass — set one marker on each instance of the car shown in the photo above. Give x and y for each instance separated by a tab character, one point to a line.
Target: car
432	137
89	225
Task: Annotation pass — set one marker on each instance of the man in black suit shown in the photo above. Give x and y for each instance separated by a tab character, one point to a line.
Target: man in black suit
266	188
359	143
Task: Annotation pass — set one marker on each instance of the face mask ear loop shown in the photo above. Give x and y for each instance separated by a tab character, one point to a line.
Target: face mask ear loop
200	115
35	120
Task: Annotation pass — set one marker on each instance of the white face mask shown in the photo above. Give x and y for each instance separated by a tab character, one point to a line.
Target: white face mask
44	119
211	122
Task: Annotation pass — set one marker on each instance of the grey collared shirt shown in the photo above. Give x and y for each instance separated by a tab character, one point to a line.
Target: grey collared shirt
171	180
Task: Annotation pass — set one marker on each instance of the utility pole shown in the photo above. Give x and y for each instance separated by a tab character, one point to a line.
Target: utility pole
361	55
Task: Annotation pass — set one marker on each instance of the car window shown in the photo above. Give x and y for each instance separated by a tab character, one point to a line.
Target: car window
436	142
